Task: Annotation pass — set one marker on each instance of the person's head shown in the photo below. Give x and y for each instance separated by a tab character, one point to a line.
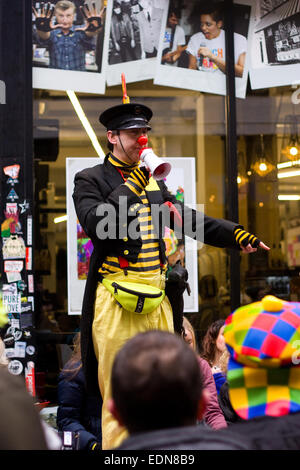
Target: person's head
65	13
189	334
211	20
263	370
173	18
125	123
156	383
126	6
213	344
117	7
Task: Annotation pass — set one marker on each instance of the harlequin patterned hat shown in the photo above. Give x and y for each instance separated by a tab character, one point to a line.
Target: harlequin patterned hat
263	339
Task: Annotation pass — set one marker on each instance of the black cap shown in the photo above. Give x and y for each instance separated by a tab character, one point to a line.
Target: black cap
126	116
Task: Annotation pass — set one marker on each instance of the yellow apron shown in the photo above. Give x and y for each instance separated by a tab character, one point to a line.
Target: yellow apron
112	327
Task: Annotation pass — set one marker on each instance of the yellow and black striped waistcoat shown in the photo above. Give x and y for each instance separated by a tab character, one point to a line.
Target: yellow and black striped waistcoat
148	258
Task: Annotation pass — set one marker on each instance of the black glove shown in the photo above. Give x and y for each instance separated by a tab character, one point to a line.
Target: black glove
95	23
138	179
43	24
244	238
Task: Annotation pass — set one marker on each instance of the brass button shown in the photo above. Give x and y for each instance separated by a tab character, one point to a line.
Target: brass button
126	252
125	239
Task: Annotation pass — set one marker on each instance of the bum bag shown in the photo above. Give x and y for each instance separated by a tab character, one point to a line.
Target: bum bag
135	297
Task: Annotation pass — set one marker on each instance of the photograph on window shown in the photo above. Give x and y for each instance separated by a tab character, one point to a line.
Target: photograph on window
135	30
274	48
69	45
193	41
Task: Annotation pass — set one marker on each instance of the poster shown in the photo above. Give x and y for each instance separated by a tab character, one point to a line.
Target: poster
192	47
180	180
70	45
274	48
135	29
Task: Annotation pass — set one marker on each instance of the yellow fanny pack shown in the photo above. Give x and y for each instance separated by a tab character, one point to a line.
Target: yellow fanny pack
135	297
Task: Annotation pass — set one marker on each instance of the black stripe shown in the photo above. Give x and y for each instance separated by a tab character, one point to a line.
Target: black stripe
151	268
152	240
140	177
132	183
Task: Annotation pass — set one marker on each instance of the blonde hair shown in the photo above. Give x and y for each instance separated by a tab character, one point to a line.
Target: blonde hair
65	5
188	326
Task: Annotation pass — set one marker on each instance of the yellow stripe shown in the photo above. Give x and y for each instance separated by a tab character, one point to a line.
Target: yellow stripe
243	237
145	219
149	255
146	264
151	245
146	228
132	189
144	210
239	235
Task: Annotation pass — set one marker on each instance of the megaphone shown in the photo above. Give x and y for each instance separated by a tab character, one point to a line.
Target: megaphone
157	167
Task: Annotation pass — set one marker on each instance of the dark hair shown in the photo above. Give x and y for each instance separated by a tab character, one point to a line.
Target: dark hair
215	9
109	144
156	382
209	341
174	11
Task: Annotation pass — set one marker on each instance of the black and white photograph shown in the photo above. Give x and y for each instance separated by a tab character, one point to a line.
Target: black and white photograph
69	45
135	31
274	48
193	41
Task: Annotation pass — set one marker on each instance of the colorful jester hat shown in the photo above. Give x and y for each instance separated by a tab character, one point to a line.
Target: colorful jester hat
263	339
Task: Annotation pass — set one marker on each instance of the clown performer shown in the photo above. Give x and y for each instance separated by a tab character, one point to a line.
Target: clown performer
125	288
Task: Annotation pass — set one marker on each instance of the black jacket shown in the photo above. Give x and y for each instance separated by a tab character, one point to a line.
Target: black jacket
198	437
101	185
268	432
77	412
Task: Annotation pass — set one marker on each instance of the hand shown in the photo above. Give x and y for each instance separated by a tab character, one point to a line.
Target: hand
206	52
43	21
132	43
138	178
117	47
92	19
250	249
248	242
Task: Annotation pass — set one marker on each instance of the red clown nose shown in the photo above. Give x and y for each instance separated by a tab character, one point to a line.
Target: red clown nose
142	140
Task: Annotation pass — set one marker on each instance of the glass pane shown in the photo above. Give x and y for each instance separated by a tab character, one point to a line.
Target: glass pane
185	124
269	191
